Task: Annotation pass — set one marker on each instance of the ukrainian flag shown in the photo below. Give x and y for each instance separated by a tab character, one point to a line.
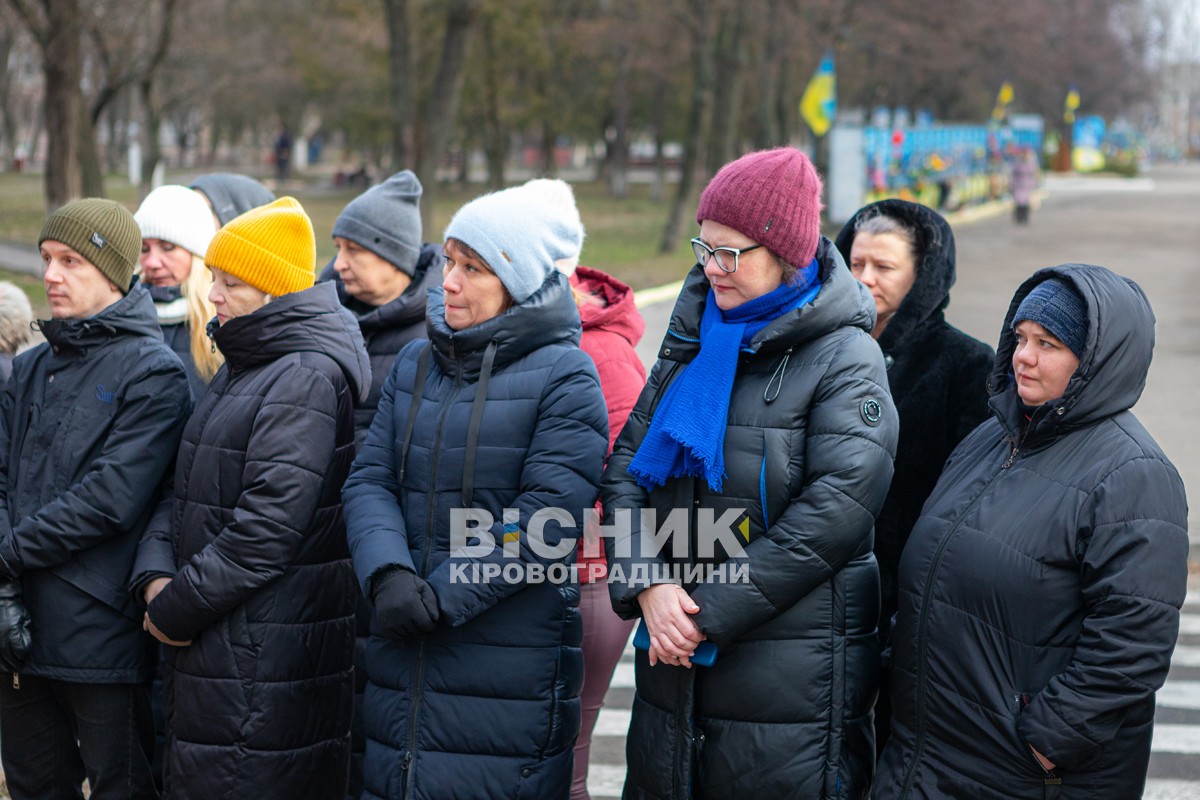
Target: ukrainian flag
818	105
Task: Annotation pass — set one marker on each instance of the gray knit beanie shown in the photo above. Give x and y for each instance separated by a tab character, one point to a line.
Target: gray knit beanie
103	232
386	219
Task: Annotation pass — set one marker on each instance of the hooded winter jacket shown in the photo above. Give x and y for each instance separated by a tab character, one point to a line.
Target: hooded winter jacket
1040	589
258	705
786	709
508	415
387	328
89	425
612	327
938	378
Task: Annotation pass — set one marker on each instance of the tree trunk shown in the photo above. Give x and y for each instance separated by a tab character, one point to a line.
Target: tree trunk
62	67
401	74
495	138
8	125
549	145
439	118
617	158
658	190
151	122
727	93
703	18
89	159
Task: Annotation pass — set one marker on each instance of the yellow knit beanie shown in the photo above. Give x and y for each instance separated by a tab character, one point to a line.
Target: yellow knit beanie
271	247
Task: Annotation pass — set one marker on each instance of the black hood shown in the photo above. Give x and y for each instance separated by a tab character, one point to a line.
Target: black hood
232	194
309	321
405	310
930	293
548	316
842	301
1116	358
132	315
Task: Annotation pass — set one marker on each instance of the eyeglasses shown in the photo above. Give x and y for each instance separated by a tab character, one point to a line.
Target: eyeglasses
727	257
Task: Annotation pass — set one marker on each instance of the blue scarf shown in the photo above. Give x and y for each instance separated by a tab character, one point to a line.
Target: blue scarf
687	432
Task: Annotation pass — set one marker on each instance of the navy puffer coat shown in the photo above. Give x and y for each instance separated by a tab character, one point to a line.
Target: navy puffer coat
485	706
786	709
258	705
1040	589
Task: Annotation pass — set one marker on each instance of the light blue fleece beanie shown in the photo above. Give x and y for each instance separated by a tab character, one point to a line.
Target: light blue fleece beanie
519	235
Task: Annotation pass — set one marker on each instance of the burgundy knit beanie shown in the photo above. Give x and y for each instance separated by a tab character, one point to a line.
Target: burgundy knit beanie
771	196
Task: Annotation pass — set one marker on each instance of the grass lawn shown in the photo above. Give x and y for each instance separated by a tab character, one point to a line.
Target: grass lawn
622	235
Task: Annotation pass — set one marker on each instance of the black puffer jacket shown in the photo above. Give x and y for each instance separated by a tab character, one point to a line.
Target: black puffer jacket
1041	587
938	377
486	706
786	709
387	328
259	704
91	422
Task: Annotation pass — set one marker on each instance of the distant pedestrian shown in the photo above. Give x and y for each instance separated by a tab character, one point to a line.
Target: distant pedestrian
91	422
1024	183
230	194
474	680
768	404
176	228
248	579
15	315
612	327
904	253
1041	587
283	154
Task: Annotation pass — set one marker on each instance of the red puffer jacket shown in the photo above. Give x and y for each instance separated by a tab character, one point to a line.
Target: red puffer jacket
612	327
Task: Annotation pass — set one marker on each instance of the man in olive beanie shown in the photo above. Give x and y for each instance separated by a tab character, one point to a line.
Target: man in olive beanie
91	421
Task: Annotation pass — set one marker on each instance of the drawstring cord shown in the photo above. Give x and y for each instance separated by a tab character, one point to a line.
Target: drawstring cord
777	379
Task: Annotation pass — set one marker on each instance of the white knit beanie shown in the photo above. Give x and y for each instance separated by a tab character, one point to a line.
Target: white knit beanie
178	215
558	194
519	235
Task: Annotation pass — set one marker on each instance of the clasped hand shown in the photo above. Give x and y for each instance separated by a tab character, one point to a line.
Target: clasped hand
151	591
667	609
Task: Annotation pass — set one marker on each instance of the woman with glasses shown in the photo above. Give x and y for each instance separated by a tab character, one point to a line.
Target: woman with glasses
761	450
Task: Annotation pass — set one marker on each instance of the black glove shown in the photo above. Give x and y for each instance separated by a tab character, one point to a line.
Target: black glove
14	628
404	603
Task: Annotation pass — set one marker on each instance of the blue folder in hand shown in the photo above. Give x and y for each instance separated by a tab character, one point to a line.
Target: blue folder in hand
706	652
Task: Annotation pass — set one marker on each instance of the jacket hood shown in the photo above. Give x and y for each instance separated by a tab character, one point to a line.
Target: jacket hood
309	321
842	301
548	316
405	310
930	293
232	194
618	314
132	315
1116	359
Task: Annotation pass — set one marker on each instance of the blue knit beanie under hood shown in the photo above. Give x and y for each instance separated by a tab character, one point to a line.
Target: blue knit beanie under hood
1059	308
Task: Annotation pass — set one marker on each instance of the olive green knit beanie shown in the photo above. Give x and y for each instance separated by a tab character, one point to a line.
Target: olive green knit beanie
102	231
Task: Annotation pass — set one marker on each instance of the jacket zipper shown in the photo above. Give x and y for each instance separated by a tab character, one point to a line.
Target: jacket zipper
410	774
921	623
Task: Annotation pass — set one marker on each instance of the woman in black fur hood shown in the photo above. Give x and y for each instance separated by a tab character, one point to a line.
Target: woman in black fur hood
904	253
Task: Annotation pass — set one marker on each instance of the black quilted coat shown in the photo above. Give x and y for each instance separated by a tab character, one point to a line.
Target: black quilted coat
1040	589
786	709
258	705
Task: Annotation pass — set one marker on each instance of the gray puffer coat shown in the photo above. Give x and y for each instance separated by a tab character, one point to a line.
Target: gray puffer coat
1040	589
786	709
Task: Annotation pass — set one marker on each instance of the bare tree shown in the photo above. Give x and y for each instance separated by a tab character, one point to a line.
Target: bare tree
55	26
402	73
702	24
